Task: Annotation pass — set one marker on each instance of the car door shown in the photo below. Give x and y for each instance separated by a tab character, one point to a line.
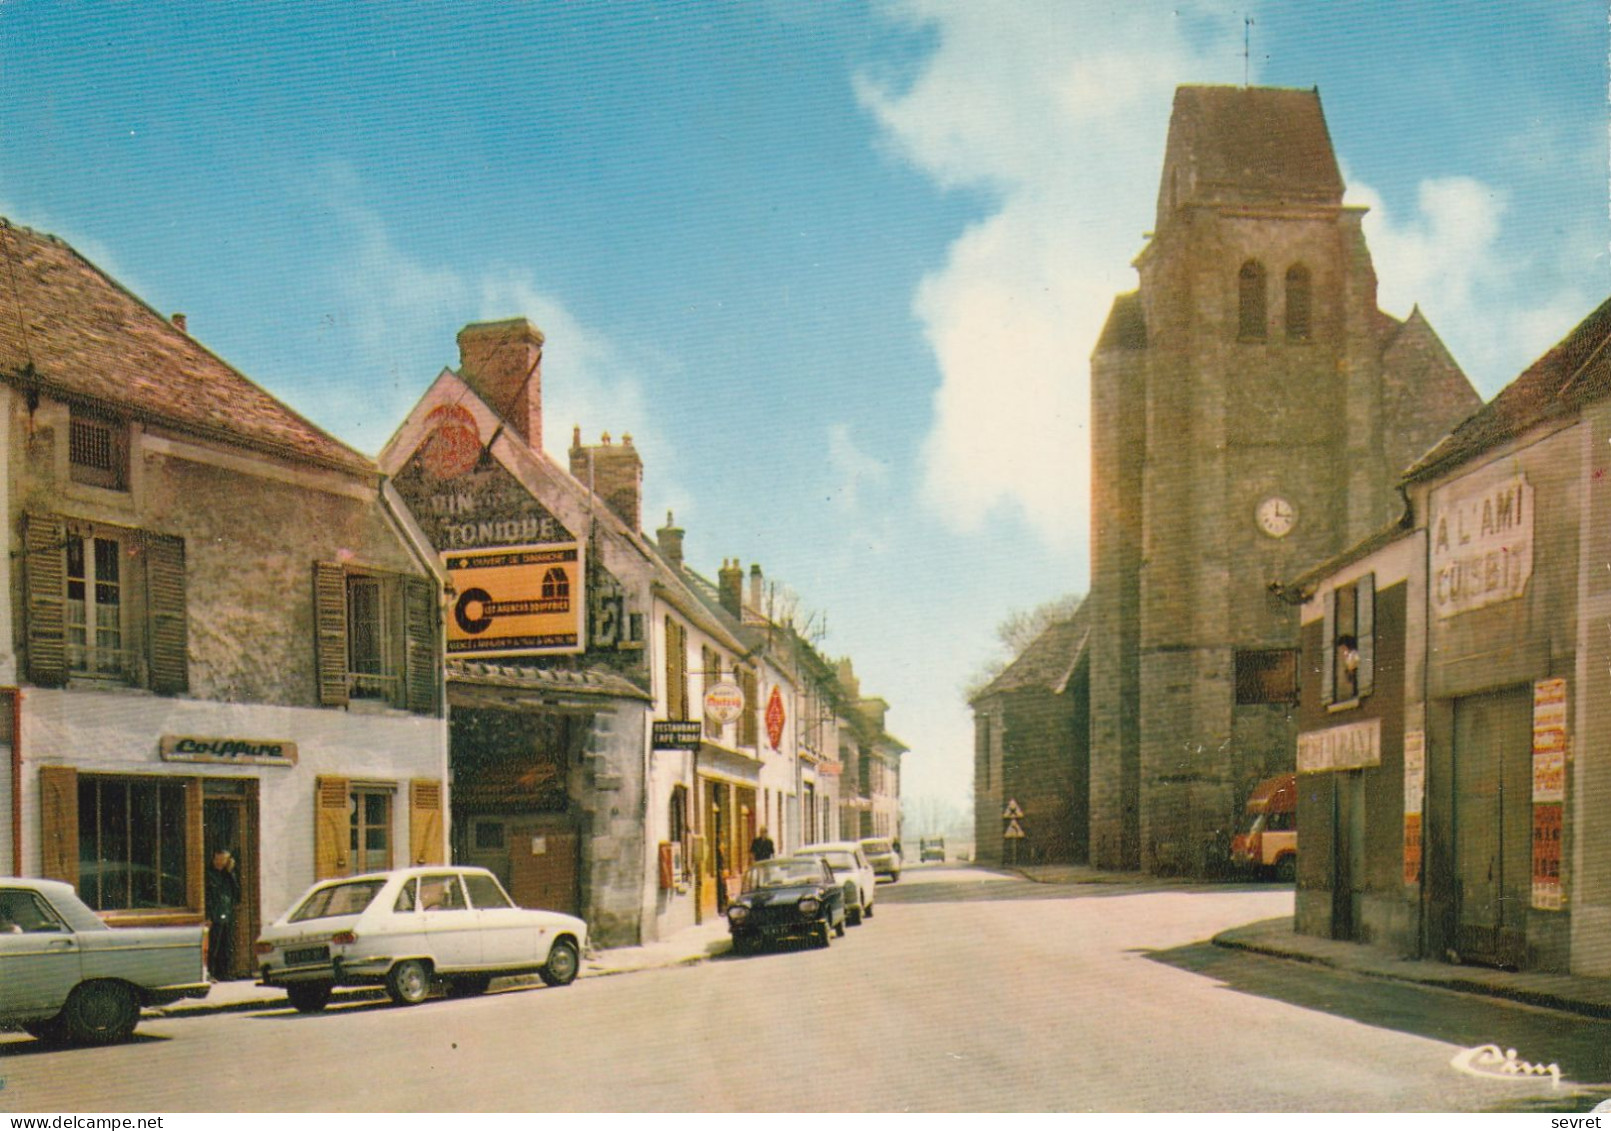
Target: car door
452	928
508	933
40	959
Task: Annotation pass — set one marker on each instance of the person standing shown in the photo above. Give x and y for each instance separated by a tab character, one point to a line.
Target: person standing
762	848
223	898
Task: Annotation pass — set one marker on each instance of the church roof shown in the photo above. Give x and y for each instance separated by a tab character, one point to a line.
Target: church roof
1253	144
71	332
1577	370
1126	327
1049	661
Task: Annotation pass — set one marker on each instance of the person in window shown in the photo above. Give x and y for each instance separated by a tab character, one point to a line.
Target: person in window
762	848
1347	668
223	897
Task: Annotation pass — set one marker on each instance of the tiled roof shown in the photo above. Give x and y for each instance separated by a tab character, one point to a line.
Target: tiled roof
92	342
1255	143
1575	371
1050	659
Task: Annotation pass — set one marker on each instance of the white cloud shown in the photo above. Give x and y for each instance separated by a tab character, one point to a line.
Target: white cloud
852	470
1058	112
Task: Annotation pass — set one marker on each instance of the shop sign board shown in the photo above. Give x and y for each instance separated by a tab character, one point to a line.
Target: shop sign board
774	719
1482	545
1351	746
227	751
515	601
724	702
676	734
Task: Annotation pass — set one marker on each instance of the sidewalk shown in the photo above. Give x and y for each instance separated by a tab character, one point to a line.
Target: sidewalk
1571	993
695	944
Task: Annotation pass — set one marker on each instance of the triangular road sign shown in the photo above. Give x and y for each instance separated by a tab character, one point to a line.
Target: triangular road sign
1013	812
1013	831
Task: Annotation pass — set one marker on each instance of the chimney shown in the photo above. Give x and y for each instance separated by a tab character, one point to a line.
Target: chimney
847	679
730	584
179	323
669	539
757	589
613	472
502	362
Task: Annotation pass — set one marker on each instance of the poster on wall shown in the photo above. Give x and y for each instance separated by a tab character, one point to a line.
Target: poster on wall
1547	857
1414	791
1549	741
515	601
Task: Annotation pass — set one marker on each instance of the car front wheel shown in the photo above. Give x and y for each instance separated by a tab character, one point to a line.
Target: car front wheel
101	1013
409	982
308	997
52	1030
563	964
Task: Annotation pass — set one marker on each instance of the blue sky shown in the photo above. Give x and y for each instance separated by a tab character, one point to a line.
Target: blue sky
838	267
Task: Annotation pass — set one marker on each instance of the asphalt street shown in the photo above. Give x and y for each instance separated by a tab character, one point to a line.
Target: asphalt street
965	991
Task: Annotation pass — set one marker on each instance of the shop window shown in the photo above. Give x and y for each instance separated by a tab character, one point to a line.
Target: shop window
1266	676
377	638
1297	303
98	451
1250	324
370	826
92	615
133	852
1348	647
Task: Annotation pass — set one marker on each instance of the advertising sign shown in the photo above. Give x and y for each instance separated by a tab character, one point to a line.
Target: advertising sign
1547	857
676	734
1549	740
1347	747
516	601
1414	791
724	702
1482	545
774	719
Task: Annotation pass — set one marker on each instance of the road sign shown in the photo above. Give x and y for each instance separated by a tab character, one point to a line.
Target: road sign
1014	832
1013	813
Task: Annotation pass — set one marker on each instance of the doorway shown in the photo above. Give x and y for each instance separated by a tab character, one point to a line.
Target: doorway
1493	757
229	821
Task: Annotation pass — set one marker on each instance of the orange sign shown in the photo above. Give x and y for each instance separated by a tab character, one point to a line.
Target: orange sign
516	601
1547	857
1412	848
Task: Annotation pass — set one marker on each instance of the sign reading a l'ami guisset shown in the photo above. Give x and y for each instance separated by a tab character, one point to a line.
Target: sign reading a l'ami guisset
1482	544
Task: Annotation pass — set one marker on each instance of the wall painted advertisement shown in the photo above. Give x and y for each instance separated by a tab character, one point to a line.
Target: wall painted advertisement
516	601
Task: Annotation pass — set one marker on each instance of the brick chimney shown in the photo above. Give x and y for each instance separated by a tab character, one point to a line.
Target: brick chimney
613	472
730	585
502	362
669	539
757	587
180	323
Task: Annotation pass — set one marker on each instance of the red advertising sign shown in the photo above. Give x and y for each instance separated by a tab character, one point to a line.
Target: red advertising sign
774	719
1547	857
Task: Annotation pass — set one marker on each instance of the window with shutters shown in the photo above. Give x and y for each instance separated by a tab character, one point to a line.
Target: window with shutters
98	451
676	670
376	638
133	844
748	729
1348	656
710	673
104	604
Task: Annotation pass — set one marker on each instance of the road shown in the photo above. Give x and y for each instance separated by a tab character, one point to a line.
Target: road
966	991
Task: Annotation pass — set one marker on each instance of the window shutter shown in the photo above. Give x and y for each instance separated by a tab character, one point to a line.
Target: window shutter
45	542
420	663
332	827
330	631
165	598
196	859
1367	633
1328	650
58	795
425	821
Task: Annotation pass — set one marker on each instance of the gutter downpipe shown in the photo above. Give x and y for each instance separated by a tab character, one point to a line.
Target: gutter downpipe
15	695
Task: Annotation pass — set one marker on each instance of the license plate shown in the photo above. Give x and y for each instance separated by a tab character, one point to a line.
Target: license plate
306	955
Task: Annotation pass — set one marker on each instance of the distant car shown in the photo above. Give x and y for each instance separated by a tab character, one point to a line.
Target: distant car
881	854
851	869
409	929
787	897
67	976
931	848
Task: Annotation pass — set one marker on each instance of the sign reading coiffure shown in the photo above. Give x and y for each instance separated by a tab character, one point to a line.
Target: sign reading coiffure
1482	544
233	751
518	601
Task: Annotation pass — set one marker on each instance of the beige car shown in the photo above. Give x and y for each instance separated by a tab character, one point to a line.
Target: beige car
850	868
881	854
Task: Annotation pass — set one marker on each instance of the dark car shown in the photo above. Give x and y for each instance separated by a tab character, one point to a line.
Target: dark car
791	897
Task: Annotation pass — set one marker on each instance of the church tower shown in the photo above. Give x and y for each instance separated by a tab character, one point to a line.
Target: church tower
1251	412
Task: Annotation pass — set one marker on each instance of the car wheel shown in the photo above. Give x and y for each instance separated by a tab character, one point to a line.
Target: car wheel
100	1013
1286	869
824	935
52	1030
409	982
469	987
853	914
867	911
308	997
839	928
562	966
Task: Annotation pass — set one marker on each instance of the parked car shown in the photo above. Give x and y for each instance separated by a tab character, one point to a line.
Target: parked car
787	897
851	868
881	854
67	976
409	929
931	848
1267	842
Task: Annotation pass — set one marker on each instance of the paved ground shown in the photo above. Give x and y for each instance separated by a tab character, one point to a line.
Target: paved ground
967	991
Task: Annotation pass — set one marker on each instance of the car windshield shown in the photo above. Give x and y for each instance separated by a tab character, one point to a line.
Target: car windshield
880	847
783	873
338	899
839	861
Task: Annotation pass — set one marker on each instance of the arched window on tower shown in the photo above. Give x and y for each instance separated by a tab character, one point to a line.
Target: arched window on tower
1250	287
1298	303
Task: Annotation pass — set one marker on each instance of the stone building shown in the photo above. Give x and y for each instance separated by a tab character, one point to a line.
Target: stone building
219	634
1251	411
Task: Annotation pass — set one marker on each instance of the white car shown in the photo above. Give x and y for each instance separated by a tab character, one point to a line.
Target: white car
409	929
849	864
67	976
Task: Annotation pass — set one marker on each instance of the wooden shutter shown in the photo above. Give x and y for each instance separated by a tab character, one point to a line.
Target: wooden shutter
332	828
1328	649
58	801
330	632
420	663
1365	618
45	575
165	600
196	859
425	822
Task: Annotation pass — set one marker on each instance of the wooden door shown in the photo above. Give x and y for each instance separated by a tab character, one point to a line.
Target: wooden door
1493	758
543	867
